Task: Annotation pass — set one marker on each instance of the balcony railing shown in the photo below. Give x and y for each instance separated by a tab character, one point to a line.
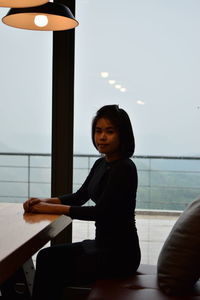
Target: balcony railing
165	182
23	175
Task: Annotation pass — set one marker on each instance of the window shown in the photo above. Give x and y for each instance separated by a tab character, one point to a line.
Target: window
25	112
144	56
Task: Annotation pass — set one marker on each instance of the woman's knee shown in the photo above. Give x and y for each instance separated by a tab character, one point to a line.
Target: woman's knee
58	256
45	257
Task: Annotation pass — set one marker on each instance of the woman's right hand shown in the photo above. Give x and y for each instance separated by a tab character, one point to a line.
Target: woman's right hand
32	201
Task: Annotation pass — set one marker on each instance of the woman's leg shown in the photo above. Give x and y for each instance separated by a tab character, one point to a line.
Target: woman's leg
60	266
115	263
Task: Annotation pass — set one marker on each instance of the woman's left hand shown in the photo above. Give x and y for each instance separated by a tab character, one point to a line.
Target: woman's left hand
49	208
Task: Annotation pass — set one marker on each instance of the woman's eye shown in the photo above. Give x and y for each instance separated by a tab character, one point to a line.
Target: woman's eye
97	130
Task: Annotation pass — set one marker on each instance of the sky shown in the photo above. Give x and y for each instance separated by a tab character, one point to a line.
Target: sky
143	55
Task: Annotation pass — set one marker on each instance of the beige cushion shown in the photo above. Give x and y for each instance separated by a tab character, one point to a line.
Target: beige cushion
179	260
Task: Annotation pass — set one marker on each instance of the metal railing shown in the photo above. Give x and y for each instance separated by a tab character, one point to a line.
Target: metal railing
24	175
165	182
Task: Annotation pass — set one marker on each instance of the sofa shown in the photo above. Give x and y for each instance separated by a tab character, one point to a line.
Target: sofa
142	286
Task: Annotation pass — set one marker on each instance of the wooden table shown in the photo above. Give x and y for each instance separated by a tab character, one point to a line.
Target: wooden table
21	236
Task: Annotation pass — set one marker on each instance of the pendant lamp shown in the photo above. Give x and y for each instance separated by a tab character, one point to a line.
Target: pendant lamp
50	16
21	3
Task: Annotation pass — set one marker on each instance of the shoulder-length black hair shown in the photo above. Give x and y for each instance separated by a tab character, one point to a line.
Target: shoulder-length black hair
120	119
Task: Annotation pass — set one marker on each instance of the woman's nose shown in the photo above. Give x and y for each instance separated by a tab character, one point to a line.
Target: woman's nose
103	136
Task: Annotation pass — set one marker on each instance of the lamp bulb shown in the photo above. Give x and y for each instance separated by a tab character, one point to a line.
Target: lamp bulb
41	20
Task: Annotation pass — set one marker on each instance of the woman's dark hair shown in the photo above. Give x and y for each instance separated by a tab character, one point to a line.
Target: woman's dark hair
120	119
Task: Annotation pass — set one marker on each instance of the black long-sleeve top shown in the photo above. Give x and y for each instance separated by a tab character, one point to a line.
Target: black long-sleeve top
112	186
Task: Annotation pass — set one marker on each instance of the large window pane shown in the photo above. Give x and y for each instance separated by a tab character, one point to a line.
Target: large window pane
25	111
144	56
150	48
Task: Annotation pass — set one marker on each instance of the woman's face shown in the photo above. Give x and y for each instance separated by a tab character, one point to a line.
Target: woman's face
106	139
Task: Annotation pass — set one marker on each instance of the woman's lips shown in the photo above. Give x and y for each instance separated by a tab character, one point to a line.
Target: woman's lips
102	145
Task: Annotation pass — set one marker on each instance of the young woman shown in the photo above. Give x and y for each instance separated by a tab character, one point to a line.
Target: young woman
112	185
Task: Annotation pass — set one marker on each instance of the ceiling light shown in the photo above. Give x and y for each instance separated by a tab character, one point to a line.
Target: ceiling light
140	102
118	86
111	81
21	3
41	20
50	16
104	74
123	89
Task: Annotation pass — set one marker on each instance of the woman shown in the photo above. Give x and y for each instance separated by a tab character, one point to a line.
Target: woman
112	185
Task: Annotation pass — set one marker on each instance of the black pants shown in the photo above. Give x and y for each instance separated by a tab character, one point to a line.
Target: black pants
69	264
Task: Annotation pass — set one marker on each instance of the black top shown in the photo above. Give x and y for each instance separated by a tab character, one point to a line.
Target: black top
112	186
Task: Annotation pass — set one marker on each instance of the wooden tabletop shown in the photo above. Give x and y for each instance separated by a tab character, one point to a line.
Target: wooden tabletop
23	234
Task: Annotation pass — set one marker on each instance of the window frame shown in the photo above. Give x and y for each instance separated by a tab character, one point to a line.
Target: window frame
63	112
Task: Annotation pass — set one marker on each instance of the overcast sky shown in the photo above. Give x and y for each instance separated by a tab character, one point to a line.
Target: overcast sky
150	48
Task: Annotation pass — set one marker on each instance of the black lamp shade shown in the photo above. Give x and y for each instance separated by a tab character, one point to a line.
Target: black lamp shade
57	16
